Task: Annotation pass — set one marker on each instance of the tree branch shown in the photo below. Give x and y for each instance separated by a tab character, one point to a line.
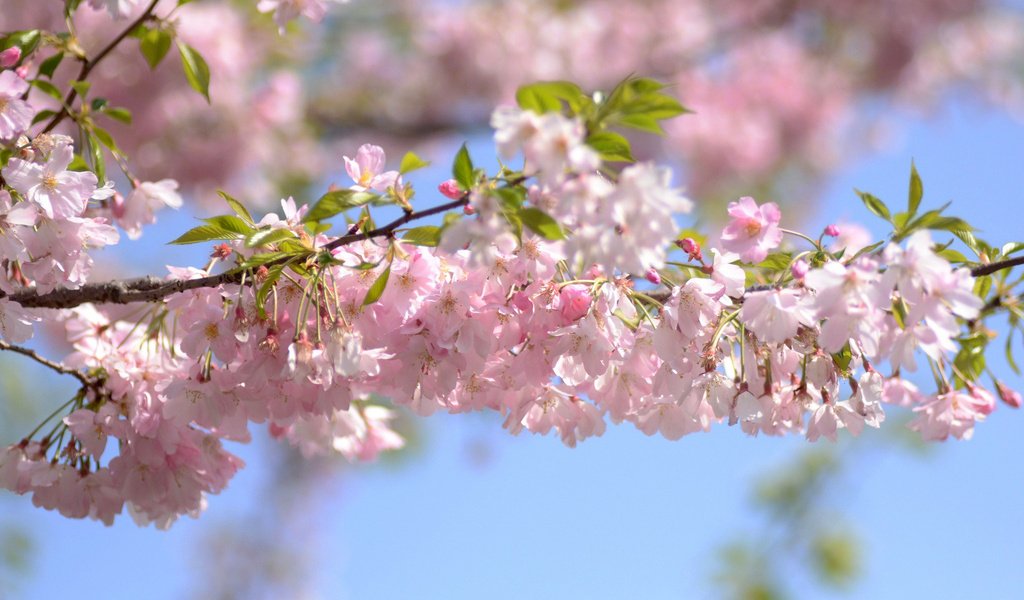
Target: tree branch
150	289
89	64
48	363
997	266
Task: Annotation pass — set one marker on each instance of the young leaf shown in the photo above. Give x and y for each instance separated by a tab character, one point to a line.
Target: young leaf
236	206
427	235
266	237
49	66
205	233
265	288
547	96
875	205
462	169
196	70
611	146
335	202
916	190
118	114
541	223
230	223
154	45
377	289
411	162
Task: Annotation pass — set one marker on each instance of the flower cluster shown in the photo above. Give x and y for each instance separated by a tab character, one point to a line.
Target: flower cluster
548	297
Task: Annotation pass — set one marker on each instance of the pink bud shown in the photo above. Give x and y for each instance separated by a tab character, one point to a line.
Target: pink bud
652	276
832	230
22	71
1011	397
575	300
10	57
450	189
690	247
469	210
799	269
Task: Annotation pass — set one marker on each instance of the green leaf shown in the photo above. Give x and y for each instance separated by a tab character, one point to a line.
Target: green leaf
82	87
28	40
377	289
49	89
336	202
427	235
611	146
541	223
104	137
236	206
642	122
267	257
411	162
1012	248
916	190
462	169
776	261
266	237
875	205
154	45
99	165
118	114
49	66
547	96
230	223
205	233
196	70
42	116
273	274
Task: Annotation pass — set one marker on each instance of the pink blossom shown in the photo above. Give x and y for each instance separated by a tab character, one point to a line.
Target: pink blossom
775	315
367	170
15	114
753	230
138	209
58	192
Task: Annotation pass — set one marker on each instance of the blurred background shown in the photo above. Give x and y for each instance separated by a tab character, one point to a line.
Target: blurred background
795	102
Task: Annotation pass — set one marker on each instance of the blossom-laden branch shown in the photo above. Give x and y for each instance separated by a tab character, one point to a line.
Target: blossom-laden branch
151	289
523	305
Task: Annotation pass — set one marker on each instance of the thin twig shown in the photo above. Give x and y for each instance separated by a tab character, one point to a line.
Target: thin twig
47	362
89	64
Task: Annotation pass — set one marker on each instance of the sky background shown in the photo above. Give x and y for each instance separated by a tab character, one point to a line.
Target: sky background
476	513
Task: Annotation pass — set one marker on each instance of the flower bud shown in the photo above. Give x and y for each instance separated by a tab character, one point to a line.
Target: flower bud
469	210
575	301
22	71
652	276
450	189
1009	396
832	230
799	269
10	57
691	248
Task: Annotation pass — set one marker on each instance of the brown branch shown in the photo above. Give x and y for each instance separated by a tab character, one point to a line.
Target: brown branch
997	266
89	64
48	363
150	289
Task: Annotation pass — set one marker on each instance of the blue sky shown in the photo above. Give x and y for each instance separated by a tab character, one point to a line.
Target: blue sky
623	515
